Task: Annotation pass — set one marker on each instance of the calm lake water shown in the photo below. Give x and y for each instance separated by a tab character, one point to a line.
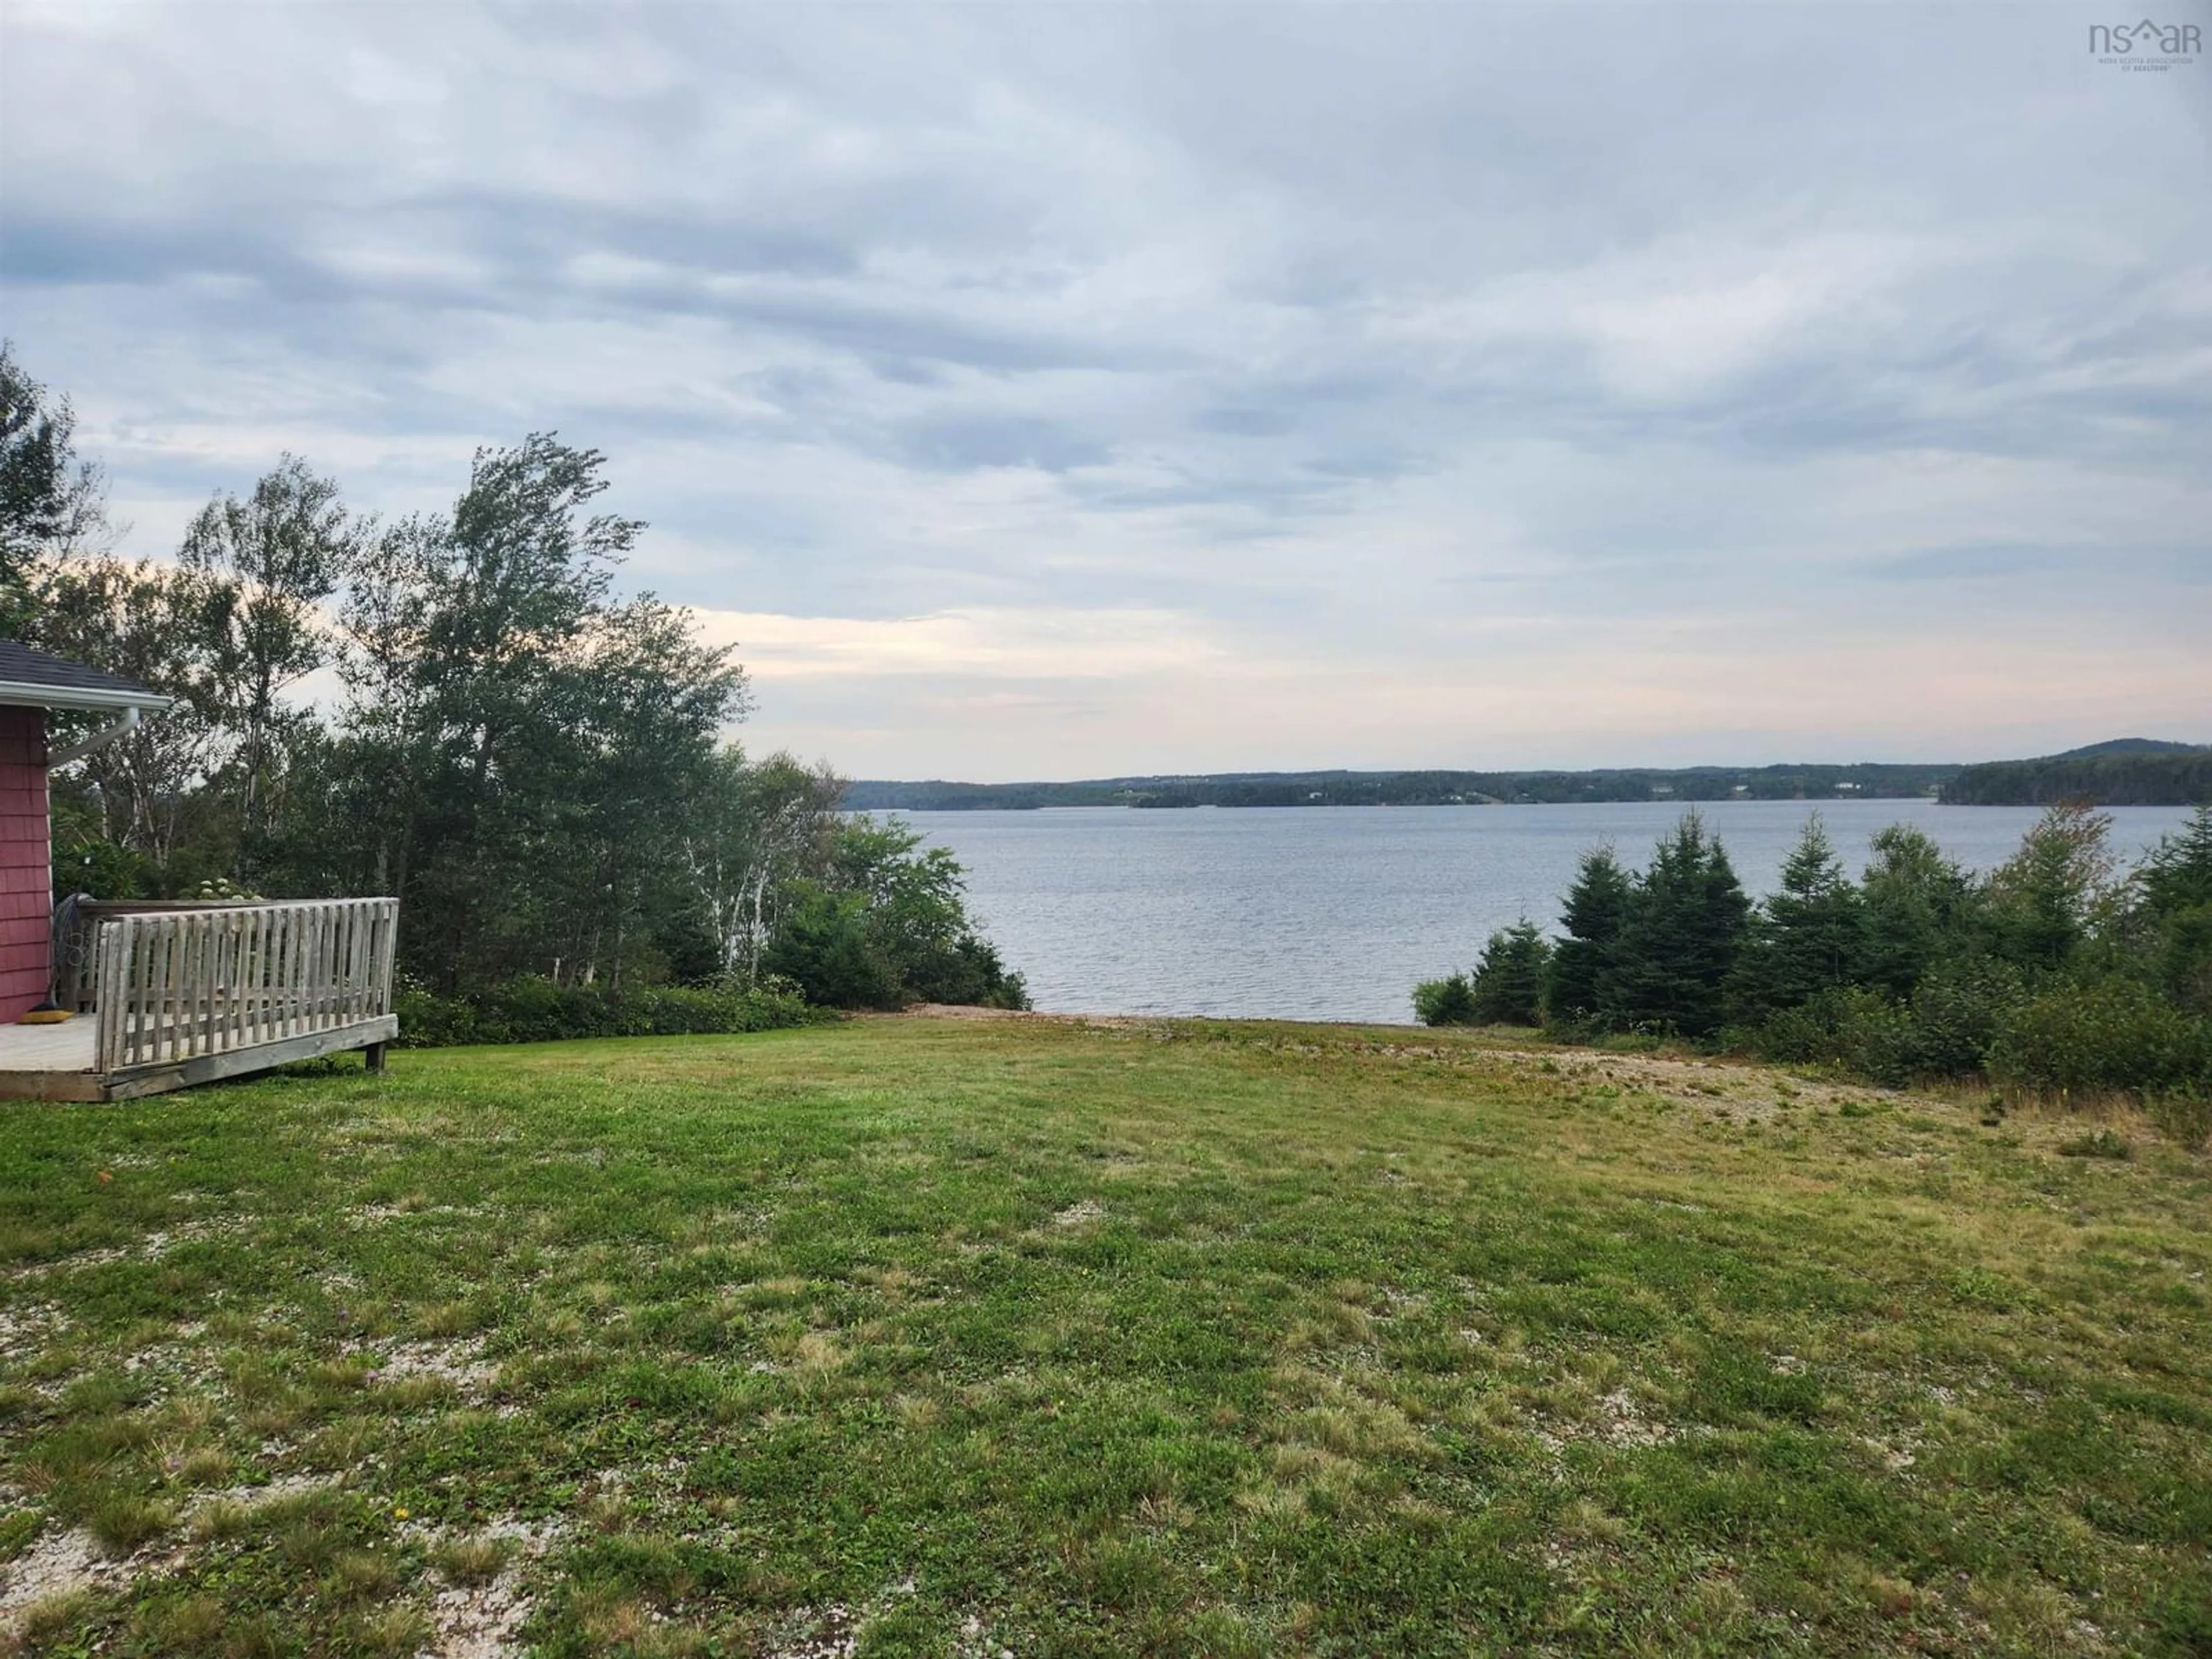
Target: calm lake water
1334	913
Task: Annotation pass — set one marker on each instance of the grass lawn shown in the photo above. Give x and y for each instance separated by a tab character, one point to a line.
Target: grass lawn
973	1337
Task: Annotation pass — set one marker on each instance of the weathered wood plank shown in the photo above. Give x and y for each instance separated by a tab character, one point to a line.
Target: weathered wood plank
160	975
237	1062
52	1085
110	959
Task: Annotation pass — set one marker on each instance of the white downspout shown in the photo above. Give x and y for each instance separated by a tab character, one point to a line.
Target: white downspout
99	739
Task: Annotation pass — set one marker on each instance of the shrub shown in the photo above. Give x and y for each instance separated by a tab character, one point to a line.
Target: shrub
1956	1010
427	1020
1943	1030
1803	1036
828	947
537	1010
969	971
887	924
2097	1143
2112	1034
1859	1029
1447	1001
1878	1039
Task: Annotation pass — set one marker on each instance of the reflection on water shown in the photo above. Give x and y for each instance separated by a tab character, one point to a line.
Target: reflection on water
1333	913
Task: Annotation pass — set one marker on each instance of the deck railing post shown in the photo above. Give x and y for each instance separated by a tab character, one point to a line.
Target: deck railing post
110	949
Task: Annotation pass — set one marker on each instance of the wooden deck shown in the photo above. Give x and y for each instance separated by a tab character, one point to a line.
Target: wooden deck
67	1049
186	995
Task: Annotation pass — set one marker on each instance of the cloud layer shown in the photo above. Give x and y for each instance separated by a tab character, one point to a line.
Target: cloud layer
1054	391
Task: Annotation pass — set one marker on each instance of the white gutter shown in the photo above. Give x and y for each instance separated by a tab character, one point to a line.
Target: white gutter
99	739
26	694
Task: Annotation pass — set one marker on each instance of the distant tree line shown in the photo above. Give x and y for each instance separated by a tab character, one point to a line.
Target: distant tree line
862	796
531	761
2180	777
2053	973
1427	788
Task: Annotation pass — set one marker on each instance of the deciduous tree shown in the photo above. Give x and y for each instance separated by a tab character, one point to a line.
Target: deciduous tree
51	503
281	553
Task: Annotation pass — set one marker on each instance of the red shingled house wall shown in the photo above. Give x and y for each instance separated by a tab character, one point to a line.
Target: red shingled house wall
25	878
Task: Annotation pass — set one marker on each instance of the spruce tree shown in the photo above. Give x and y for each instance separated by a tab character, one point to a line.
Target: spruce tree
2177	873
1509	980
1916	902
2173	906
1685	927
1596	909
1810	936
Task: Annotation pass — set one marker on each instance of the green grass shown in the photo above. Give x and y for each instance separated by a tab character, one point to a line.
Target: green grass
951	1337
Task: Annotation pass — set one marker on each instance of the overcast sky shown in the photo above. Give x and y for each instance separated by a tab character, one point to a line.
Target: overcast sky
1062	390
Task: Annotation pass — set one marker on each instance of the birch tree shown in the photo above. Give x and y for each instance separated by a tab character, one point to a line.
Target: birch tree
760	827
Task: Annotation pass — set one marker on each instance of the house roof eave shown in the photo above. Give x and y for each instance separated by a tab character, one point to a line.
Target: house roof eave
21	694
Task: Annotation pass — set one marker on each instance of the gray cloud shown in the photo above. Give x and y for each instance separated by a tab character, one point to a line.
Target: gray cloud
964	443
1360	339
2161	569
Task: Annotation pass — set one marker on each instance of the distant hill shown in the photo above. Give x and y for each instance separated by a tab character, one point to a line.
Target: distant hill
2128	746
2125	772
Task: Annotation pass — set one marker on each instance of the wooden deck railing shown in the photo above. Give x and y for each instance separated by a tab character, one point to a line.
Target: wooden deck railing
188	982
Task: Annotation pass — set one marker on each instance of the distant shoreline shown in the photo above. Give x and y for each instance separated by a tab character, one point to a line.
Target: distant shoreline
1389	806
1688	785
2125	772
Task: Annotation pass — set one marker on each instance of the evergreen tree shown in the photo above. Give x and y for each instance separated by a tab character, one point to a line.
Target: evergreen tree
1596	910
1809	936
1509	980
1685	927
2173	908
1916	902
2177	875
